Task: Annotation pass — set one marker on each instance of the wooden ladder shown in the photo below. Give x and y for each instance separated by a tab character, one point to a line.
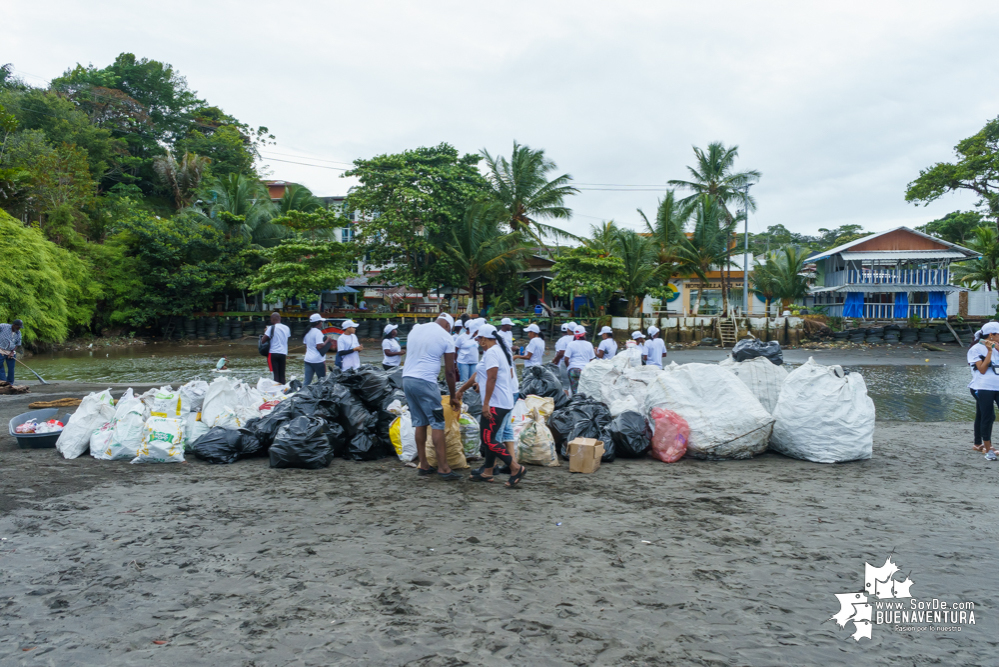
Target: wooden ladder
728	332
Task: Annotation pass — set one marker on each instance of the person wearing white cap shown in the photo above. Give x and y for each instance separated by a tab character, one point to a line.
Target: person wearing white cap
348	348
426	345
468	351
494	380
534	353
316	347
506	330
391	349
277	335
559	361
655	348
639	338
579	353
607	348
984	361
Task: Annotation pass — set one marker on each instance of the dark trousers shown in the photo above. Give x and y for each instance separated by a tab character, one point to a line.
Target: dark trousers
9	376
317	369
277	363
986	413
490	426
978	419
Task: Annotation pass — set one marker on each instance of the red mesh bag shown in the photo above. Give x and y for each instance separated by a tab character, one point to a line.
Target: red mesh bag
669	442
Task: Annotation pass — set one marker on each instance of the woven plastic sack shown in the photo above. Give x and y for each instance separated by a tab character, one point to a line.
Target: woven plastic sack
469	427
536	444
726	421
192	395
100	441
670	435
129	429
626	383
221	394
163	441
166	403
407	436
95	410
591	378
762	377
824	415
545	405
452	437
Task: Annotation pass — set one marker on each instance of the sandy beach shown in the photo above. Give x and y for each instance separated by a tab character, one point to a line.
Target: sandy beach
699	562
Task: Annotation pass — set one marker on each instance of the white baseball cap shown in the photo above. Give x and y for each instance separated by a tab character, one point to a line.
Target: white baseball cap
606	330
637	334
447	318
315	317
565	326
389	328
571	325
580	329
506	320
653	330
458	324
990	328
533	328
486	331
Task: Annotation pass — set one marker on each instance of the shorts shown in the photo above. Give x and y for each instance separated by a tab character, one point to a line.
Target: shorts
506	433
424	400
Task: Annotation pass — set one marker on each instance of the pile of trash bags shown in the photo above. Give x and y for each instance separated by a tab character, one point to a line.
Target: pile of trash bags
582	417
752	348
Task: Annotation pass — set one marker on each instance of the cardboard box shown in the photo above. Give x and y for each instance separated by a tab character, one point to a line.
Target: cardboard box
585	454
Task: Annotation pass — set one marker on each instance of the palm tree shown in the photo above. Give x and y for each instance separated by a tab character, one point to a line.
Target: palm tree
789	284
298	198
667	233
985	269
713	176
708	245
241	206
480	249
604	237
522	187
641	271
763	280
184	177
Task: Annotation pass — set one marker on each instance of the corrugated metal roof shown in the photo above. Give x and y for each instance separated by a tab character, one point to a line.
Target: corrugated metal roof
904	254
877	289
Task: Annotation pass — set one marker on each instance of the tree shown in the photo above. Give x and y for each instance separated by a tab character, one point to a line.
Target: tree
832	238
241	207
604	237
232	146
522	186
298	198
182	178
763	280
641	273
316	224
983	270
785	268
708	245
60	177
300	268
480	250
956	227
976	169
408	204
667	233
585	271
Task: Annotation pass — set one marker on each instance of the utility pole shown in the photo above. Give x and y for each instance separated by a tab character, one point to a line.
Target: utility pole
745	256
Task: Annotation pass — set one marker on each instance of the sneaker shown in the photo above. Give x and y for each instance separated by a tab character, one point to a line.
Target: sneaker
449	476
991	456
420	472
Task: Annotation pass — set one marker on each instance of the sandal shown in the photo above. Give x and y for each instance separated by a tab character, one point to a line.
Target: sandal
514	481
420	472
477	476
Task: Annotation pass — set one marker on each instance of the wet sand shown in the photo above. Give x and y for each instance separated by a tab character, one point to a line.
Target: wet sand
696	563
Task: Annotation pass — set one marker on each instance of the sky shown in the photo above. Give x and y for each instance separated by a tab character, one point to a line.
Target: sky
839	105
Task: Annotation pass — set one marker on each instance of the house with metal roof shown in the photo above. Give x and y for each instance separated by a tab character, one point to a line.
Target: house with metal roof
889	275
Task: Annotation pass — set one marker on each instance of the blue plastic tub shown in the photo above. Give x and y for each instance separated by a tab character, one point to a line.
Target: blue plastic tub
37	440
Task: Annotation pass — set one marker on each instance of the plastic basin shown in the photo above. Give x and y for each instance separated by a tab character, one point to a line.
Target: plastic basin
37	440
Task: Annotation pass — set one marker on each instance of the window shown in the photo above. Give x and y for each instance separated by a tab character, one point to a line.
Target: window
919	298
347	234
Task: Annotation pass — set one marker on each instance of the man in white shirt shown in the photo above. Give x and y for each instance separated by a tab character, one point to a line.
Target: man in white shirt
639	338
655	348
277	357
316	348
425	346
607	348
579	353
534	353
468	351
348	348
506	330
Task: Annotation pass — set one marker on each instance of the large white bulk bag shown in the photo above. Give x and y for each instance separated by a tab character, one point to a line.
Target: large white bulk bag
222	393
96	410
192	395
763	377
824	415
726	421
631	383
591	378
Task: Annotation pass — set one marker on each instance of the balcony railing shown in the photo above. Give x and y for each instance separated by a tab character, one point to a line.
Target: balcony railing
886	311
897	277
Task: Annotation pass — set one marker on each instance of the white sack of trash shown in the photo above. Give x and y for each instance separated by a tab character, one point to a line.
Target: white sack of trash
763	377
96	410
824	415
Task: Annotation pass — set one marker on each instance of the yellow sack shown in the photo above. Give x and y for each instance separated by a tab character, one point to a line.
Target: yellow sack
395	435
452	438
544	405
535	444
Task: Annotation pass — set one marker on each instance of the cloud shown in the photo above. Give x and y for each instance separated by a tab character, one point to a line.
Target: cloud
838	105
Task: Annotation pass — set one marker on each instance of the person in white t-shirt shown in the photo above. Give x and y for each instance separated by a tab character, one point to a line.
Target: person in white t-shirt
534	353
506	330
391	349
426	345
655	348
493	377
560	344
468	351
983	357
316	347
348	348
579	353
277	357
607	348
639	339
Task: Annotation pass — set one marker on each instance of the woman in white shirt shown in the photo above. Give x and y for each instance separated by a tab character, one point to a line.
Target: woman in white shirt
316	348
579	353
348	348
534	353
496	389
639	339
391	349
984	361
607	348
655	348
468	351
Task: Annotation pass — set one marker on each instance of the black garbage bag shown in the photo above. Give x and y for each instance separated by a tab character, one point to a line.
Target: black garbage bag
266	427
369	384
630	435
395	377
222	445
582	417
293	386
543	381
312	401
352	415
364	447
473	402
302	443
750	348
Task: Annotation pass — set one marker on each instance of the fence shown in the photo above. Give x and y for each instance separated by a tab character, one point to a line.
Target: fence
913	277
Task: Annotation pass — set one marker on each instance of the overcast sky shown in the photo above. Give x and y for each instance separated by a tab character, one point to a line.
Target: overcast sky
838	104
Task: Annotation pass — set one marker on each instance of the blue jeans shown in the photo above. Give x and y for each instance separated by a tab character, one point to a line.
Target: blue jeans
9	377
317	369
466	371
